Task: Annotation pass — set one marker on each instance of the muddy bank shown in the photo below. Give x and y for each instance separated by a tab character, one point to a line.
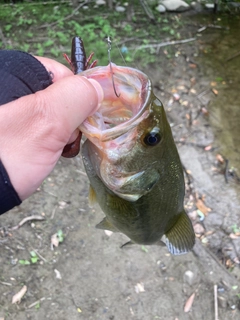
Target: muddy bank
88	276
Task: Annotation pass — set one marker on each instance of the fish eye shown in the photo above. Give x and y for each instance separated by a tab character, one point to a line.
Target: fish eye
152	138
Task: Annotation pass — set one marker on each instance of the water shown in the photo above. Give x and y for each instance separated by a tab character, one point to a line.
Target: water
220	66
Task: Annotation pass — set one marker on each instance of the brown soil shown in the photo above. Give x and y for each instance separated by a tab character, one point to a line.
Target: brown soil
99	280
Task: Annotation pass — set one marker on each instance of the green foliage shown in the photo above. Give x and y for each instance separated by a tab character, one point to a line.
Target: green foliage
47	29
60	236
235	229
33	259
24	262
144	249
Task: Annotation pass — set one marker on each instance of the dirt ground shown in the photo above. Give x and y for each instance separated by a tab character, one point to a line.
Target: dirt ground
88	276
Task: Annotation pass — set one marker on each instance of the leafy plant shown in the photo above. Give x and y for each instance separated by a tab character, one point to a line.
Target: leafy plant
60	236
33	259
235	229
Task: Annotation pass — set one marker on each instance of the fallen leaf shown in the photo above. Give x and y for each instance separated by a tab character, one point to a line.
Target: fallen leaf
213	83
220	158
204	111
215	91
181	88
189	302
18	296
185	103
208	233
202	207
192	65
208	148
233	236
192	90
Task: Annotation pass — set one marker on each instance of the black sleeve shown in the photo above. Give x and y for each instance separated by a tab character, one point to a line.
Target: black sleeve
20	74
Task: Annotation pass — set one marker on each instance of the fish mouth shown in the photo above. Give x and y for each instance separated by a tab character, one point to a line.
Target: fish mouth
112	131
126	95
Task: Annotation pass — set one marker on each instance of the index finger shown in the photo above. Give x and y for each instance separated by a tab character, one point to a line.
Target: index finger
58	70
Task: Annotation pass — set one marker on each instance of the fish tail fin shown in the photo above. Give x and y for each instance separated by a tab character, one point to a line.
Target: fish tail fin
180	238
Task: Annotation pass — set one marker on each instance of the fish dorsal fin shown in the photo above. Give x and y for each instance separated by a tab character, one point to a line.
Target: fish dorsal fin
92	196
181	237
106	225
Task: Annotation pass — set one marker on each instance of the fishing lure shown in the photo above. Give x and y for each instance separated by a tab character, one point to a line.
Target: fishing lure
78	62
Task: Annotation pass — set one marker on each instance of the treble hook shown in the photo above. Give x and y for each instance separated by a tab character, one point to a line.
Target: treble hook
109	42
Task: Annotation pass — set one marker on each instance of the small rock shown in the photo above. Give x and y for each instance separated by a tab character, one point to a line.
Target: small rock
175	5
120	9
190	278
100	2
193	215
160	8
198	228
209	5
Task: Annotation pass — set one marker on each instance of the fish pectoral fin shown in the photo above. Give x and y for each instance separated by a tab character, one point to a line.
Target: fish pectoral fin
106	225
181	237
92	198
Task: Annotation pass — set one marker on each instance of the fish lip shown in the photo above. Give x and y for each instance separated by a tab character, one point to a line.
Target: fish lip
129	197
100	73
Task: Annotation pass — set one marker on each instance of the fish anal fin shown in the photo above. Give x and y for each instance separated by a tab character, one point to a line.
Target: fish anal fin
92	196
106	225
180	238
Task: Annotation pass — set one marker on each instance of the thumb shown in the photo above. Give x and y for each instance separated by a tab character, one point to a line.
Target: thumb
71	100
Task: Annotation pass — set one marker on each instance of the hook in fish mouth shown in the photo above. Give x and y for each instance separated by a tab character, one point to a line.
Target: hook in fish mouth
117	113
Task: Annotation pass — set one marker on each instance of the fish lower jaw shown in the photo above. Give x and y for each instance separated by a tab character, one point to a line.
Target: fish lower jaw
128	197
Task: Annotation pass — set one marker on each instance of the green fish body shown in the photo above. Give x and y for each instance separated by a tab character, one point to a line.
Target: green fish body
133	164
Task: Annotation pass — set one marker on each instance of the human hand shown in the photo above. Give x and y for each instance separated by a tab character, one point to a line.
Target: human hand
35	128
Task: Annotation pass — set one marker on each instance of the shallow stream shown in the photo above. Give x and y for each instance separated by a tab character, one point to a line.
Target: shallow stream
221	65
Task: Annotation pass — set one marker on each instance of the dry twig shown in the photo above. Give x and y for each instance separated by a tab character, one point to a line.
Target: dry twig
163	44
215	302
30	218
188	304
38	254
36	302
234	56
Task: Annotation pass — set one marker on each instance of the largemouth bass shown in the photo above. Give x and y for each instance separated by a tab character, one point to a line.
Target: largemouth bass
133	164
